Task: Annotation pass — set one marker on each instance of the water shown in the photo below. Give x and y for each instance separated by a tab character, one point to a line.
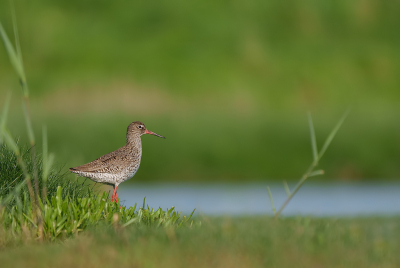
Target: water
318	199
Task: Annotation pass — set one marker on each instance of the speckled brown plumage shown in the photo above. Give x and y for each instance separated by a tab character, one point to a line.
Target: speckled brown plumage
120	165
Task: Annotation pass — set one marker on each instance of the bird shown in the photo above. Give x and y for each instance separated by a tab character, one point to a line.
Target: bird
120	165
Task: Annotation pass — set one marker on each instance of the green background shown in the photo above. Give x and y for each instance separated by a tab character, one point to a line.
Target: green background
228	83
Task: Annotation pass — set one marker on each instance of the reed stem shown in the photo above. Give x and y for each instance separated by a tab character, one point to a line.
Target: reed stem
316	157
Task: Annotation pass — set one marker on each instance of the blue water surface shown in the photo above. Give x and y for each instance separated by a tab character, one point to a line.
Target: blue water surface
341	199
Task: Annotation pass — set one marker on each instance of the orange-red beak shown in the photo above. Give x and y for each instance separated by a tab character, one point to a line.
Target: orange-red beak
152	133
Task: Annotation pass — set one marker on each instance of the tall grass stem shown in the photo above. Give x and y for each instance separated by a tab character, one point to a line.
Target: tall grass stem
316	157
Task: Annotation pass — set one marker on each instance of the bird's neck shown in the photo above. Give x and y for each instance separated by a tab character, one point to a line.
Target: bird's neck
134	141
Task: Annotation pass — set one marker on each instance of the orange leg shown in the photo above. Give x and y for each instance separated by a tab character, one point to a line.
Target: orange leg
114	196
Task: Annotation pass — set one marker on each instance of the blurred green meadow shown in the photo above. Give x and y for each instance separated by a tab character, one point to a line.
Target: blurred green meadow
228	83
223	242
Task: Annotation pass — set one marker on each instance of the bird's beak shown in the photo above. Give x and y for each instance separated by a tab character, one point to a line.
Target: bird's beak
152	133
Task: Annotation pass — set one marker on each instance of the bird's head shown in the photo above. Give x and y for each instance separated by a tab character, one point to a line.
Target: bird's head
138	128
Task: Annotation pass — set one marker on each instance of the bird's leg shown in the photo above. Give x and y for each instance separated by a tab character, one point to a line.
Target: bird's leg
114	195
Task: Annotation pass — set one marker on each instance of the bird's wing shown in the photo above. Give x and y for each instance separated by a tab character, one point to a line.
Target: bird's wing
111	162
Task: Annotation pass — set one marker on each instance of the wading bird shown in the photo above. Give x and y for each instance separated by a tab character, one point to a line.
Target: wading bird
120	165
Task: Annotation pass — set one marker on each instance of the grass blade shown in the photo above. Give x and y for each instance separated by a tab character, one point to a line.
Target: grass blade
28	122
316	173
14	59
130	222
272	200
310	171
8	139
13	194
144	202
191	214
3	119
332	134
24	85
17	44
47	162
47	158
286	186
313	139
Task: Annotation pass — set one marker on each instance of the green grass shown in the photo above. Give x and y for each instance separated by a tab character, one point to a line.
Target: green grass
62	217
224	242
11	175
69	207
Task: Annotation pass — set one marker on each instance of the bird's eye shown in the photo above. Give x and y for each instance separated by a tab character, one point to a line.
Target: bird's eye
140	126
